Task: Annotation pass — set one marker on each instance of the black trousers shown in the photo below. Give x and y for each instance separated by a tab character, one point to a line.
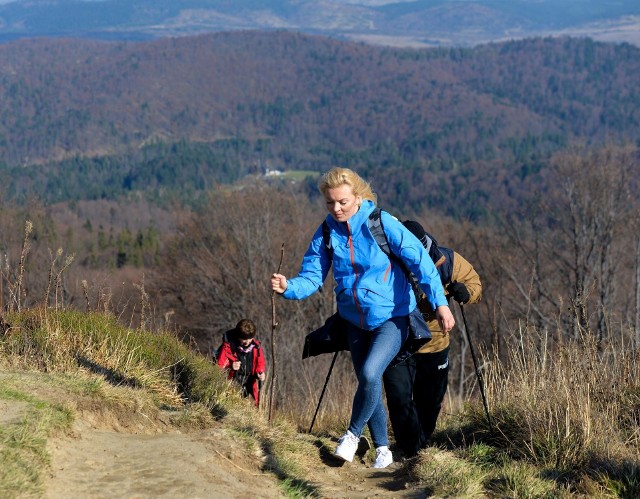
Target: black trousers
415	389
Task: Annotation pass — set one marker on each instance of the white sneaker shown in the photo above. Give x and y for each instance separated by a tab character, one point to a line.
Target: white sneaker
347	447
383	457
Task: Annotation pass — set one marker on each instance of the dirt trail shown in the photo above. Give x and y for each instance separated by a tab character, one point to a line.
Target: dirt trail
104	463
358	481
101	463
135	451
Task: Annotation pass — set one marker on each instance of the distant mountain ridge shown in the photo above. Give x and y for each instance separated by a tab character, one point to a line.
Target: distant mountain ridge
400	23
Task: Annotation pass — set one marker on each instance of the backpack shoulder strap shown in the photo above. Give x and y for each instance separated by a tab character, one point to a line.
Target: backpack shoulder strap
326	237
446	269
376	228
377	231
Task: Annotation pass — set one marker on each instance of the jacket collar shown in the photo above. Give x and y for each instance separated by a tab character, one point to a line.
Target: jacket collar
356	221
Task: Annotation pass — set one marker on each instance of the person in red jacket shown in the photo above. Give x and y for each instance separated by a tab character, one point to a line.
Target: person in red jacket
242	355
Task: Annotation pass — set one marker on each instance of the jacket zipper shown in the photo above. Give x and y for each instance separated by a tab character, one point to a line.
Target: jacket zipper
355	271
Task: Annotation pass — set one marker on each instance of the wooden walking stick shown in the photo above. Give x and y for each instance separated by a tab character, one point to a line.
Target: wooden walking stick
274	325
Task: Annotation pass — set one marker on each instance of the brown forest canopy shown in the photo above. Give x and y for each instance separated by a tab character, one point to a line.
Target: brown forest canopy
197	111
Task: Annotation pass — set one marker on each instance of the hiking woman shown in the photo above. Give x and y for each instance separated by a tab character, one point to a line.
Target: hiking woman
373	296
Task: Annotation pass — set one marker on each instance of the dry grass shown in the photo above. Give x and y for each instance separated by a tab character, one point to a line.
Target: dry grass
565	409
446	475
564	422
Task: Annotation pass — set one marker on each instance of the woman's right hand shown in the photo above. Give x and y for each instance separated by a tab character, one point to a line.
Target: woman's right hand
445	318
278	283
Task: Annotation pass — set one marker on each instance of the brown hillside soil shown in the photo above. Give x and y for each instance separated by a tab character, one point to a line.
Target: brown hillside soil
100	463
106	463
126	448
358	480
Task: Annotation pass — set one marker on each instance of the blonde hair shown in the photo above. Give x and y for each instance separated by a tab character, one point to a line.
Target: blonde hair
344	176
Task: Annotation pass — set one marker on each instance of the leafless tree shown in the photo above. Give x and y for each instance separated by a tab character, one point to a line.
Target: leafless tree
593	206
562	250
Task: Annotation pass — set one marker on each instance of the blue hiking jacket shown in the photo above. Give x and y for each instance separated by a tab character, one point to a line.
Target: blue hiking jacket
370	288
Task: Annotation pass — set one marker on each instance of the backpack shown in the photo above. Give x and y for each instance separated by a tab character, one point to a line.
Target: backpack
215	353
374	222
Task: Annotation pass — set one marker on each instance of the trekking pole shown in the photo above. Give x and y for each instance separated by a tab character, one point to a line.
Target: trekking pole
326	381
274	325
475	364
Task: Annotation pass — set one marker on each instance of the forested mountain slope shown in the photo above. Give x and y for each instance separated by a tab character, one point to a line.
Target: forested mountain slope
237	102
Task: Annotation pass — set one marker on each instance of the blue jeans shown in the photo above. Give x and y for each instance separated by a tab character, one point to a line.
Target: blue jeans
371	353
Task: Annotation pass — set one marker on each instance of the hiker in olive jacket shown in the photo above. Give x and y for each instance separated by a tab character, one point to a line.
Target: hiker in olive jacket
415	387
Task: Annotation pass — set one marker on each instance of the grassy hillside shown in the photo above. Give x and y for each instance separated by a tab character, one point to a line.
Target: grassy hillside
558	427
62	366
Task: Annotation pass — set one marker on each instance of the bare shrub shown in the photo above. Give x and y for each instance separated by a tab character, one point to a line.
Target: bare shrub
28	270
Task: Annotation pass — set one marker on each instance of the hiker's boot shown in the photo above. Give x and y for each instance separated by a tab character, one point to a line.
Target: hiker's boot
383	457
347	446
